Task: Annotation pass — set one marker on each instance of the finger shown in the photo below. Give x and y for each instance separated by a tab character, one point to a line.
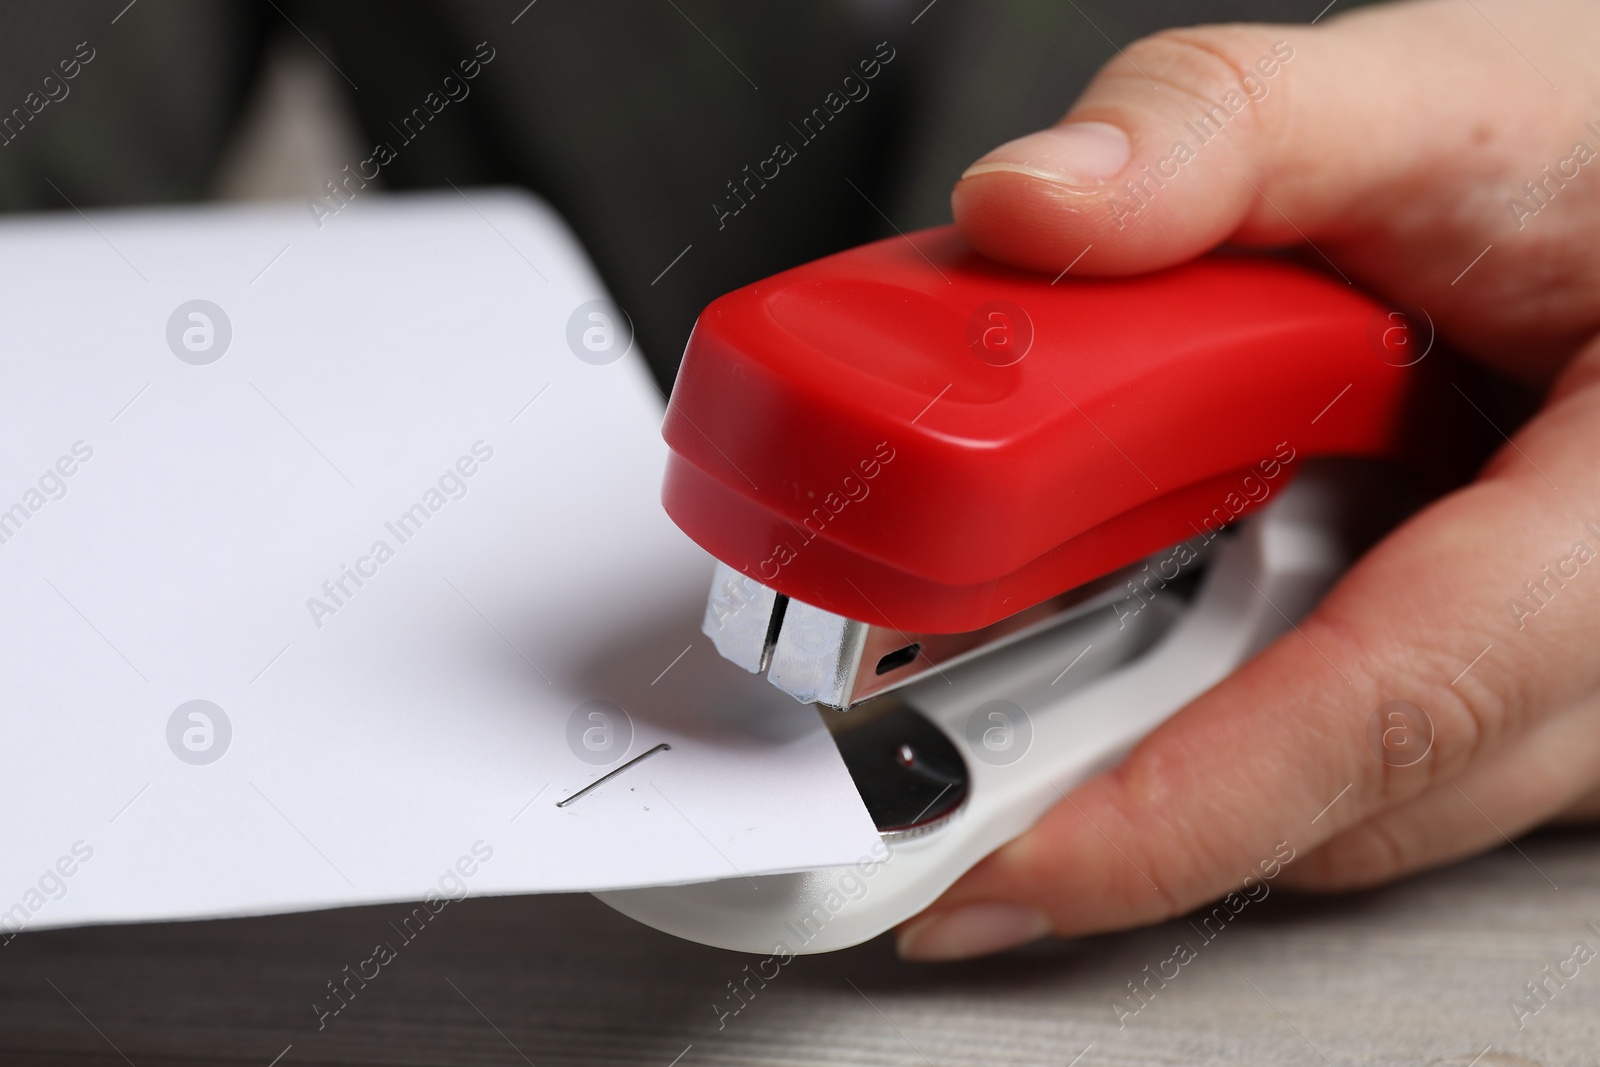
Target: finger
1389	139
1538	778
1583	811
1276	759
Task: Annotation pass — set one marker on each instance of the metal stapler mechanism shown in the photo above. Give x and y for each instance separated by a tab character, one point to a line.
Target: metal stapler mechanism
1005	526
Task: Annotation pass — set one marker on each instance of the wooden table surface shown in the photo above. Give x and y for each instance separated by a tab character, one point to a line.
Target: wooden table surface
1419	973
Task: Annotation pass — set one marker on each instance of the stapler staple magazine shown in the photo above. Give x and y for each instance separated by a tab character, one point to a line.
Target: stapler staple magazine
1004	526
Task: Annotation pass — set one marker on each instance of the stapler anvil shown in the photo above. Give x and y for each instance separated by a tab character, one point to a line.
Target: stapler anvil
1013	523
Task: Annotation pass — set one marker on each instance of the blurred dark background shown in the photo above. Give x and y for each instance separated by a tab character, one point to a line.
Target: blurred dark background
630	116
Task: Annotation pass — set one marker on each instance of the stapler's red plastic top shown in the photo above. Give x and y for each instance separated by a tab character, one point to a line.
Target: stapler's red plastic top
911	435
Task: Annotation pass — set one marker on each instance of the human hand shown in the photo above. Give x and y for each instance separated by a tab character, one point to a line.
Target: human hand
1392	145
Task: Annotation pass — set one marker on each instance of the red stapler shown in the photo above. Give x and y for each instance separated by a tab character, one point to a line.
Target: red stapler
1047	514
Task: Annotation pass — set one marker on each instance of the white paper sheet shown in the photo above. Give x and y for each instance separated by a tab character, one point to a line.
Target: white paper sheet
410	735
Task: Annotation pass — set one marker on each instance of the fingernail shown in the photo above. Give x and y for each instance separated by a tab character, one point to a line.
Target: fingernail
1077	153
975	930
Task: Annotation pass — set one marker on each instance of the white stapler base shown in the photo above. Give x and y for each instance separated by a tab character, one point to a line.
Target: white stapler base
1273	569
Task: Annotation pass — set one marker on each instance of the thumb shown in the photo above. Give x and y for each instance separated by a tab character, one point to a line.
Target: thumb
1264	135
